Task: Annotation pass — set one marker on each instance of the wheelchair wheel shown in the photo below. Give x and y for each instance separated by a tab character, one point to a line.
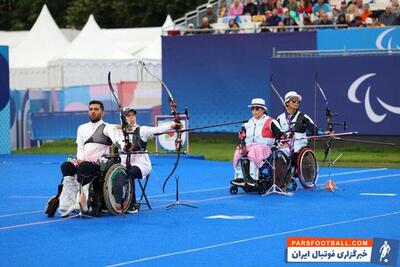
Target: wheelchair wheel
307	168
109	198
233	190
281	173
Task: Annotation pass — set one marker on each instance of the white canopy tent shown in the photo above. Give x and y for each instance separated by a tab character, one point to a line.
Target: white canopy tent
29	59
44	58
89	58
152	55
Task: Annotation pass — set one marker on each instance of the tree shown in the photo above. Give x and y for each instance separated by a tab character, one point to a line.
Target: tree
22	14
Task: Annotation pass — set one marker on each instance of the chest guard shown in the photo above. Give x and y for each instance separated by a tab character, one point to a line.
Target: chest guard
98	137
137	143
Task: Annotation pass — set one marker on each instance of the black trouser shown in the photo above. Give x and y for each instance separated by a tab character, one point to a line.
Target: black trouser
86	171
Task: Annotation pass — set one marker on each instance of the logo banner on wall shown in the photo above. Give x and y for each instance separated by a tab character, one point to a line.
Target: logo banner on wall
363	89
4	102
370	38
167	141
216	76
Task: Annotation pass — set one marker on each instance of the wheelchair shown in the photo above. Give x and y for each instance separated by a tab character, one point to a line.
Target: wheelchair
306	168
266	174
283	171
101	196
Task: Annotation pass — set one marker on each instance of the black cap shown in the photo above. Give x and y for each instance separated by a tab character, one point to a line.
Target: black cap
126	110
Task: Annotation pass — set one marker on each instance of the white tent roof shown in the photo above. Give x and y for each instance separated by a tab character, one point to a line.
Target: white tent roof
43	43
132	40
150	52
92	44
12	38
168	24
30	58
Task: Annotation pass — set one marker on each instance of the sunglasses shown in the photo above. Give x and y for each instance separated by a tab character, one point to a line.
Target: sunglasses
255	108
295	101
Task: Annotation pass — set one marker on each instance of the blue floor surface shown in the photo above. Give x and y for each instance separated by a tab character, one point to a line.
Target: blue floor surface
184	236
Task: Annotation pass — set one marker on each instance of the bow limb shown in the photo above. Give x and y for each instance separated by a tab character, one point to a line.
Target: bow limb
328	116
172	105
123	119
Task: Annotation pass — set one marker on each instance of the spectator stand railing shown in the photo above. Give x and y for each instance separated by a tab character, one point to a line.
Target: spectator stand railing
329	53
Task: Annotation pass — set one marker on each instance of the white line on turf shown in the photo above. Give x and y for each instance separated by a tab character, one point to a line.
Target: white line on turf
252	239
225	197
20	213
353	172
379	194
46	197
32	223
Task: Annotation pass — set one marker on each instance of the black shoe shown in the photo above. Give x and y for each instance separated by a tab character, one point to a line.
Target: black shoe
238	181
250	181
133	208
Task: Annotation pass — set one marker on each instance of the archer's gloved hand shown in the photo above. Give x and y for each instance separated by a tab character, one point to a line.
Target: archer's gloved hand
177	126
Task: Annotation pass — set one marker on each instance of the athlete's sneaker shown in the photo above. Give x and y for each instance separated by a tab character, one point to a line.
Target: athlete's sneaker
238	181
134	208
250	181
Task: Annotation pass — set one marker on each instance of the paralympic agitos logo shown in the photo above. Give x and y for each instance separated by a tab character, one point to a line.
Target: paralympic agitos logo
372	115
388	39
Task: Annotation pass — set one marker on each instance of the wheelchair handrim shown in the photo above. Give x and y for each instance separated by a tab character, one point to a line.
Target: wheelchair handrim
300	160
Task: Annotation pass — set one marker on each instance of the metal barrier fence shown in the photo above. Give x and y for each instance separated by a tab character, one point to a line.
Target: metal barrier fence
327	53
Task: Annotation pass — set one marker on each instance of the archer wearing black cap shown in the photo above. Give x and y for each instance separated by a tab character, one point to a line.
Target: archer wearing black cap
140	162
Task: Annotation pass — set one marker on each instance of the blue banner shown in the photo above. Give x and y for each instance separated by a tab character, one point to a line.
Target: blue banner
369	38
216	76
72	120
363	89
5	144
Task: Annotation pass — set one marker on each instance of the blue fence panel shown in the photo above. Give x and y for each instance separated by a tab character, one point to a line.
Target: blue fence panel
5	144
369	38
216	76
61	125
363	89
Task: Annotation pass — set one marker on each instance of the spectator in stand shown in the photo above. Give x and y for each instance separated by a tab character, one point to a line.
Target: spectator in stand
341	21
352	12
250	8
304	7
286	19
356	23
273	3
292	5
190	29
222	9
294	21
205	26
395	7
274	19
279	9
359	6
388	18
324	21
281	27
369	23
307	23
335	14
321	5
366	12
264	7
343	7
236	9
233	27
212	18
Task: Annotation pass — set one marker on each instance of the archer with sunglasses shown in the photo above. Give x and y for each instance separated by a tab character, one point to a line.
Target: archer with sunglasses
296	123
256	137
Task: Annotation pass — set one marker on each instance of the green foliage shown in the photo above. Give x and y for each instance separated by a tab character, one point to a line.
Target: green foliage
21	14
